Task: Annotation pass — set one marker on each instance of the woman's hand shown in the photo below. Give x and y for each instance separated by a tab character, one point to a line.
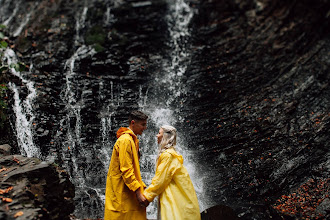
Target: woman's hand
140	197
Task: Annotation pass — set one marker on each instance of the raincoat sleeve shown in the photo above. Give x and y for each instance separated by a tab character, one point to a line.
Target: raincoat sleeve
165	170
126	165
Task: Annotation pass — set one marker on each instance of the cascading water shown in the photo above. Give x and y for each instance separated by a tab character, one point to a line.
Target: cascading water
252	143
23	19
75	153
72	122
23	108
85	160
167	98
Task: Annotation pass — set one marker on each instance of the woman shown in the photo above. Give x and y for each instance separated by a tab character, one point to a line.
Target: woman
177	197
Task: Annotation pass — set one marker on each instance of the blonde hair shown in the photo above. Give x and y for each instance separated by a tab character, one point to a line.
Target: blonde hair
169	138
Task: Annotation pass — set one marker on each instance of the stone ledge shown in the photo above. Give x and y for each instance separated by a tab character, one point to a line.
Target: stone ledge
33	189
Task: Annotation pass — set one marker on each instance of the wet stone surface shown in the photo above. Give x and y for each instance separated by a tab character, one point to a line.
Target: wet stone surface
254	101
31	189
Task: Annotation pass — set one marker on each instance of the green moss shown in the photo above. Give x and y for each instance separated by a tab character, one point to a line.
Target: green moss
4	68
98	47
96	36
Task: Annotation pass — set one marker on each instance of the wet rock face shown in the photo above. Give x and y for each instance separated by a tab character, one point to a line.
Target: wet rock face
88	61
127	41
255	110
219	212
261	99
31	189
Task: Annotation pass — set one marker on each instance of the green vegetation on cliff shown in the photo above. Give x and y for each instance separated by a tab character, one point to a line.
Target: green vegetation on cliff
3	87
4	67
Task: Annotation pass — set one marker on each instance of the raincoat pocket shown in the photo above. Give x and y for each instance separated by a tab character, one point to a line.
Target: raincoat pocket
116	191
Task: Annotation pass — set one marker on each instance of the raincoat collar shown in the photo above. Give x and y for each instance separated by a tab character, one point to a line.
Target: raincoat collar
124	130
175	154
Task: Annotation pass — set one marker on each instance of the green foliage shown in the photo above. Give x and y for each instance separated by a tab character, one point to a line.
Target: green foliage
3	70
4	43
3	46
2	36
96	36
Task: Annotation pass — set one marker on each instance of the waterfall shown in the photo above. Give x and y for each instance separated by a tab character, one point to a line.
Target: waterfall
20	28
8	20
23	109
87	161
163	107
80	24
22	18
73	148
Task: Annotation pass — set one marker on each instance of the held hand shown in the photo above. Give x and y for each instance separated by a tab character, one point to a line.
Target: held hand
140	197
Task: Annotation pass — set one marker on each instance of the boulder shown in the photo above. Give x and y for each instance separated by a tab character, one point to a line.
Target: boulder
219	212
33	189
5	149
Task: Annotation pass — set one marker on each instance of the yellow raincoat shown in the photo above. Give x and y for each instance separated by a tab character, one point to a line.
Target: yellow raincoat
177	196
123	179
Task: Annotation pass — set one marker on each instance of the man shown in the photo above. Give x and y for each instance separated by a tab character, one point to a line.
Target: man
124	198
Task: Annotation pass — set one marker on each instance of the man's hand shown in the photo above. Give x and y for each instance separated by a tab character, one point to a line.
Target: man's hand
140	197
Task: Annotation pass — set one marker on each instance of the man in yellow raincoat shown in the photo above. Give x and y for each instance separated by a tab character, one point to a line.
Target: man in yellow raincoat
124	198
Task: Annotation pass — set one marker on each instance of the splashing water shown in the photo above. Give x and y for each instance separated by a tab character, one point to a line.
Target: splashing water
78	157
73	151
23	109
169	89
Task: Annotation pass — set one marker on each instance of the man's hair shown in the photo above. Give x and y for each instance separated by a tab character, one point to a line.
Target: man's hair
137	116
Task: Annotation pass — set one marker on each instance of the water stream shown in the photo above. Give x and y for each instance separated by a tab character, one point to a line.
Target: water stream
169	91
87	161
23	108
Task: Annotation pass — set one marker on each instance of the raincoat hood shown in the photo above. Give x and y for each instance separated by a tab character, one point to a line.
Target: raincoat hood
124	130
175	154
172	183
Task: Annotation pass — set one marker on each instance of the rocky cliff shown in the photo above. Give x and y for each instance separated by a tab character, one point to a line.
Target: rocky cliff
261	105
250	93
32	189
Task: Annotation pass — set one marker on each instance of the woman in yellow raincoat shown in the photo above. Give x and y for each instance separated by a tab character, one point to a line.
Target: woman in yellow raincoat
177	196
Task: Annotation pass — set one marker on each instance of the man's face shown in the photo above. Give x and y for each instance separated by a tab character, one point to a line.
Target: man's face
139	126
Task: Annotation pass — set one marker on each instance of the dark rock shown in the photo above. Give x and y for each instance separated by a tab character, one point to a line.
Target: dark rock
254	105
36	189
219	212
324	207
5	150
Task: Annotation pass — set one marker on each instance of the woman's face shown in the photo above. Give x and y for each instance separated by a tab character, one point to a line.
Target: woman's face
160	135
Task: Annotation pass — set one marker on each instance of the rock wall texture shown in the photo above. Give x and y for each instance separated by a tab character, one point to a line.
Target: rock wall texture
32	189
254	107
260	79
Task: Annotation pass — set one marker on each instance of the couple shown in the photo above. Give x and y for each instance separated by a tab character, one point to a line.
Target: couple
126	197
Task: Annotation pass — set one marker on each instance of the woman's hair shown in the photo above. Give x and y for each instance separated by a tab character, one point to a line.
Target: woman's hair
169	138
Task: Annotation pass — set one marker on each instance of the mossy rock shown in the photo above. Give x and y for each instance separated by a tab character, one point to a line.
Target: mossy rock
96	36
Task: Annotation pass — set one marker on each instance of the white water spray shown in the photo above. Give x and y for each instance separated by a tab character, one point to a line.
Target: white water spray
170	87
23	109
73	109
